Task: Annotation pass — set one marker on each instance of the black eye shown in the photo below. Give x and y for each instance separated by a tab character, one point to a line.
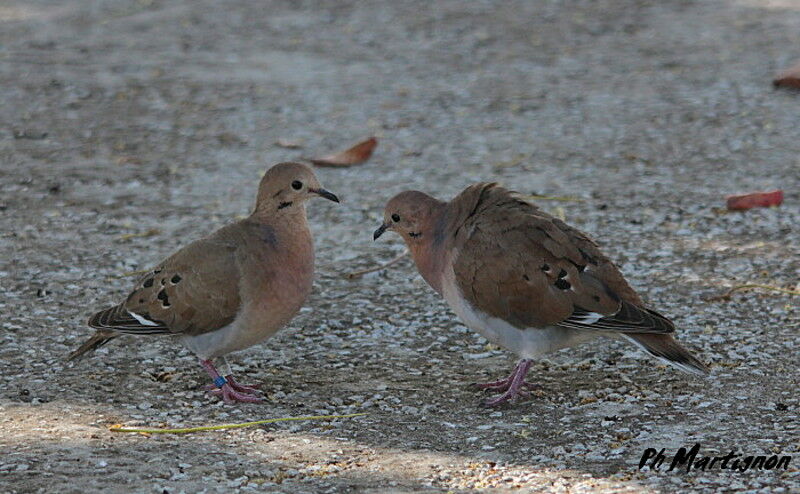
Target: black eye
297	185
395	217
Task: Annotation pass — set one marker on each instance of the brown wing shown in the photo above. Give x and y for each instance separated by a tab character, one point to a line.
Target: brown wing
521	264
194	291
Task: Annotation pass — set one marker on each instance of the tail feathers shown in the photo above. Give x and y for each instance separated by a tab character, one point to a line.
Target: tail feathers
665	348
97	340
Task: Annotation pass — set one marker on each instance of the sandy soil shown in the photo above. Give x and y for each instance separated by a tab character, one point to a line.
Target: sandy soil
128	128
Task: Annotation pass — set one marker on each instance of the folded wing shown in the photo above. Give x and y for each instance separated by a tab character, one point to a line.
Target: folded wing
531	269
192	292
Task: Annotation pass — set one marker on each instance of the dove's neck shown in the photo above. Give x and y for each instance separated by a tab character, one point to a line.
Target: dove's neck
285	230
429	250
284	216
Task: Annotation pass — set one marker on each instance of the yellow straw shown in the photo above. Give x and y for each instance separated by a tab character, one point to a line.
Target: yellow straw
759	285
119	428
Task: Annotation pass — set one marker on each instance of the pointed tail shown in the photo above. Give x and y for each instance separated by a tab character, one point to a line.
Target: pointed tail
97	340
665	348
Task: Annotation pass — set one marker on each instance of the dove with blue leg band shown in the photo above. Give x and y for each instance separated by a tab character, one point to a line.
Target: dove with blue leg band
232	289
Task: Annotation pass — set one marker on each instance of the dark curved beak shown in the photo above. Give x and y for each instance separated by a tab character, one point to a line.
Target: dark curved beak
326	194
379	231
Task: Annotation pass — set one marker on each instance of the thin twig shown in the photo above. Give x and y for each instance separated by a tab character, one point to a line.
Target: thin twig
187	430
746	286
144	234
356	274
553	198
131	273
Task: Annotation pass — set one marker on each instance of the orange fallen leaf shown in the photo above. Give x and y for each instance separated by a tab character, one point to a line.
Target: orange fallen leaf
754	200
788	78
353	156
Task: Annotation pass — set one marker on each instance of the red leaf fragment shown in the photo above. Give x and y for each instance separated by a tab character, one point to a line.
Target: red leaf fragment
754	200
788	78
353	156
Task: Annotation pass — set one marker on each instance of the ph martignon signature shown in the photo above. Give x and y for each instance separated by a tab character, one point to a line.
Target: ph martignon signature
733	461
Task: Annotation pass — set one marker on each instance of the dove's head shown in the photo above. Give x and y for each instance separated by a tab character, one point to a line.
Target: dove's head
411	214
286	186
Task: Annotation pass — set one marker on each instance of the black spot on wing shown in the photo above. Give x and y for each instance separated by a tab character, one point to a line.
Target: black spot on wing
164	298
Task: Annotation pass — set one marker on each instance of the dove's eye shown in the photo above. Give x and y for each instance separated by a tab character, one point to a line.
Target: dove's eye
395	217
297	185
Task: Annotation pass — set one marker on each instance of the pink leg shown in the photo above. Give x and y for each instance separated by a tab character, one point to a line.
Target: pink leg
512	385
229	390
503	384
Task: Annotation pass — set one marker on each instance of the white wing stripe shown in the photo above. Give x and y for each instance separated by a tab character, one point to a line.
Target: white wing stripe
142	320
587	318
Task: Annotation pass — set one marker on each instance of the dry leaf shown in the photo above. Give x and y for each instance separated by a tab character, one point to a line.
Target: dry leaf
788	78
510	163
124	160
144	234
754	200
289	143
559	213
353	156
230	139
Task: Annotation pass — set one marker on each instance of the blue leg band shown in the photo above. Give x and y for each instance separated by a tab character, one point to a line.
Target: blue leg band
220	381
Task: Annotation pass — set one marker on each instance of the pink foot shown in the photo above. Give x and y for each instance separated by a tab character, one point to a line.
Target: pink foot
510	395
228	388
512	385
250	389
504	384
230	395
242	388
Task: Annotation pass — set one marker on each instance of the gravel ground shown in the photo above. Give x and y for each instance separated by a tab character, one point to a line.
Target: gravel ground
130	128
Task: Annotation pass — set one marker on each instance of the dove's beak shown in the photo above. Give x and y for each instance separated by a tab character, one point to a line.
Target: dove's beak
326	194
379	231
